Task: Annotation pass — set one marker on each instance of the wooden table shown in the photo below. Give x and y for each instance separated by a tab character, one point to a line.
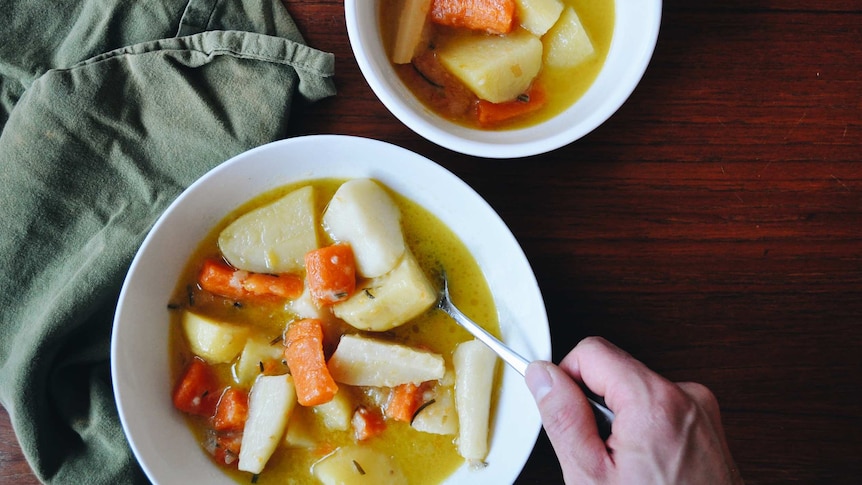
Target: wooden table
712	227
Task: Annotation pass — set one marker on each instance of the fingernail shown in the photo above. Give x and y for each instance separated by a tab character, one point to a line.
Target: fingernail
538	380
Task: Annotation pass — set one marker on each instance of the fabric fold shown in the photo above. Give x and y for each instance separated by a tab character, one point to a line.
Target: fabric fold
91	153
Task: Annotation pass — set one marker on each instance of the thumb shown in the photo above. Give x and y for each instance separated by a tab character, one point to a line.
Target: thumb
569	423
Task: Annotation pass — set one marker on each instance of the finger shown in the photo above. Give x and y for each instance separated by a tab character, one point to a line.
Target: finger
569	422
610	372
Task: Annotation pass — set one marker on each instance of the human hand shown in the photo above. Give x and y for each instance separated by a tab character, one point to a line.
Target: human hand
663	432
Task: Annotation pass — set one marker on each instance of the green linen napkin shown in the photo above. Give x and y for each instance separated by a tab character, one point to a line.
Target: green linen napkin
109	110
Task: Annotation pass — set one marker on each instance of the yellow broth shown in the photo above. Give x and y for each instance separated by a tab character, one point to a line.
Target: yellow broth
425	458
563	86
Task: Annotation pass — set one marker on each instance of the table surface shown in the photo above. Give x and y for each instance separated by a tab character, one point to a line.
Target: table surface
712	227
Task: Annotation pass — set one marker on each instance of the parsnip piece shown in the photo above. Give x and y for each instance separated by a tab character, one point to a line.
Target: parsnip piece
336	413
362	213
273	238
538	16
410	24
255	352
354	464
215	341
362	361
270	404
567	43
495	68
390	300
474	376
439	417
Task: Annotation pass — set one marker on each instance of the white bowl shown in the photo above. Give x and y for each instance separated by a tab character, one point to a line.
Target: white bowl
158	435
636	30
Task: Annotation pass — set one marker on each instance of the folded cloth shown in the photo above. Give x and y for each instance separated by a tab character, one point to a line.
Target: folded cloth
109	110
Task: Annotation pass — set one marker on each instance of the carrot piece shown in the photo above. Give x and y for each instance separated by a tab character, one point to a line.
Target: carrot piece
287	286
404	400
493	113
218	278
331	273
367	423
232	410
221	279
304	354
492	16
196	392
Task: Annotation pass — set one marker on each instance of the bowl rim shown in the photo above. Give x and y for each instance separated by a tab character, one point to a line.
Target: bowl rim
246	175
516	143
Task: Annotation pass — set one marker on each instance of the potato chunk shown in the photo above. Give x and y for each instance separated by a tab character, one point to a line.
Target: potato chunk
440	416
354	464
273	238
390	300
362	214
270	404
567	43
254	354
495	68
336	413
538	16
300	430
362	361
215	341
474	377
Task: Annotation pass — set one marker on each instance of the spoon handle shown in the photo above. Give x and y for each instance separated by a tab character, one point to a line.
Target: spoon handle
508	355
604	416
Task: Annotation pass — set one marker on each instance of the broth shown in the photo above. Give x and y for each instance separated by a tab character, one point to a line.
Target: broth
563	86
425	458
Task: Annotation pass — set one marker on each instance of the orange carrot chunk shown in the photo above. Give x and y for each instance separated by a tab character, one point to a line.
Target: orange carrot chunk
494	113
367	423
331	273
219	278
286	286
304	354
492	16
197	391
404	400
232	410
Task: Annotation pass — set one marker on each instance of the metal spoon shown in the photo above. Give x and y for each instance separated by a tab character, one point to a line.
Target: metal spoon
604	416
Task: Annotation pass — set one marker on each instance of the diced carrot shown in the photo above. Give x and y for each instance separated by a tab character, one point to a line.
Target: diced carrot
492	16
367	423
286	286
221	279
404	400
197	391
493	113
232	410
331	273
304	354
218	278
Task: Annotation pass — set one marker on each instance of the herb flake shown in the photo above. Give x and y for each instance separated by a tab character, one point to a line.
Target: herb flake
420	409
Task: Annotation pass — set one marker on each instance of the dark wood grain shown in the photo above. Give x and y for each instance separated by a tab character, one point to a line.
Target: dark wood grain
712	227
